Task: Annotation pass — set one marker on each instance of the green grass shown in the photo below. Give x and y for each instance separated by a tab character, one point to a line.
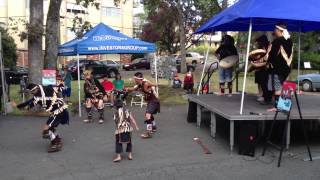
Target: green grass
168	95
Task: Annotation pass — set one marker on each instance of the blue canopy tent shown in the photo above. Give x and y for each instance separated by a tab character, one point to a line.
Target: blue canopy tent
263	15
104	40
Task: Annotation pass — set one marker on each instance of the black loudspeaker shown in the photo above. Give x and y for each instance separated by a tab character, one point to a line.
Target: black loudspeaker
192	112
248	138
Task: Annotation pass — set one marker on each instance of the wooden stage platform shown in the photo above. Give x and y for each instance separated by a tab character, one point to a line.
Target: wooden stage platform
229	108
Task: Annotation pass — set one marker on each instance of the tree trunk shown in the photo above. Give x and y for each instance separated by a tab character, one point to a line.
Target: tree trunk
52	35
35	32
182	34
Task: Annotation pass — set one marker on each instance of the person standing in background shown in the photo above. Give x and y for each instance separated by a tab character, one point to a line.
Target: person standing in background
67	79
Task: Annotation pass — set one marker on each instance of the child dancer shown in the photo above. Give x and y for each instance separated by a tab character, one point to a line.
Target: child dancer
124	121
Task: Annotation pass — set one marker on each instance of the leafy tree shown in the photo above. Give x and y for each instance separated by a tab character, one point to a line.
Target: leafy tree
9	49
188	14
161	29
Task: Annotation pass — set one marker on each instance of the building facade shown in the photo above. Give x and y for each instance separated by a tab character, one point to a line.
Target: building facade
118	17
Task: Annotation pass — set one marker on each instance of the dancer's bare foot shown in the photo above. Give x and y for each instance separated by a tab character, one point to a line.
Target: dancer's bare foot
101	121
130	156
117	158
88	121
146	135
272	109
219	93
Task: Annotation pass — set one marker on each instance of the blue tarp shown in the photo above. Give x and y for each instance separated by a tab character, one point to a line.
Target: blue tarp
104	40
298	15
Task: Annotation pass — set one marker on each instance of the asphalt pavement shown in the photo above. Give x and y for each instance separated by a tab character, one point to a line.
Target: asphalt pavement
171	154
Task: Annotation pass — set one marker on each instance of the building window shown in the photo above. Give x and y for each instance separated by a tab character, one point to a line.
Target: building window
111	11
75	9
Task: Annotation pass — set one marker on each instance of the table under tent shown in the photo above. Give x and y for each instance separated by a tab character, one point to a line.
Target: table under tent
104	40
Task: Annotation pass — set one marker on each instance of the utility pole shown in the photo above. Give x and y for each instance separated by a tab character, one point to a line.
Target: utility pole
3	89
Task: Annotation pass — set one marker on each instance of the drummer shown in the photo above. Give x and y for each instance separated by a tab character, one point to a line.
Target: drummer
280	58
261	73
227	48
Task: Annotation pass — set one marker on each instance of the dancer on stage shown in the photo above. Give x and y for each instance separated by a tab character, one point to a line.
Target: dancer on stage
125	123
261	73
280	58
226	49
153	103
94	94
47	98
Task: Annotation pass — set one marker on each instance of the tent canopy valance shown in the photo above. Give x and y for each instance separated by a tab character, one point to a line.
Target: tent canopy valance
104	40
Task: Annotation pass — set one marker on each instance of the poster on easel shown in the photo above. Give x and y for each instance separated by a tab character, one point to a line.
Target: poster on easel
285	101
49	77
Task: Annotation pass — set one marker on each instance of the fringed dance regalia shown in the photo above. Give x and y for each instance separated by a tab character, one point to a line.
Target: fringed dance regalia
153	107
123	130
94	94
46	97
280	58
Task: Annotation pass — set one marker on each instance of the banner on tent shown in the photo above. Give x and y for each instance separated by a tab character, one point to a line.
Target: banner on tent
48	77
108	48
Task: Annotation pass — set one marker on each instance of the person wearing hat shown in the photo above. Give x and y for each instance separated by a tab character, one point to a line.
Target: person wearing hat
46	97
124	122
94	93
153	103
280	58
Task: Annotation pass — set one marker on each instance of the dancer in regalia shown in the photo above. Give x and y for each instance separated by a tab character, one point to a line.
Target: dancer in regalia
46	97
280	58
125	123
153	103
94	94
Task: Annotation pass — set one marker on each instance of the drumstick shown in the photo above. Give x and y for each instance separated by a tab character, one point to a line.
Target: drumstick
204	148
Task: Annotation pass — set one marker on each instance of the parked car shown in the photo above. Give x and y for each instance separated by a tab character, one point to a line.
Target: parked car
99	69
177	59
309	82
111	63
192	58
139	63
14	76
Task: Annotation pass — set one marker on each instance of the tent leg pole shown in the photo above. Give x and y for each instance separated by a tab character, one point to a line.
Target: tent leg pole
156	72
204	66
299	58
246	67
79	93
3	89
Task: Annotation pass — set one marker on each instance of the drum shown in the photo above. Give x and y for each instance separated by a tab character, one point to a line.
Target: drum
257	54
256	58
229	61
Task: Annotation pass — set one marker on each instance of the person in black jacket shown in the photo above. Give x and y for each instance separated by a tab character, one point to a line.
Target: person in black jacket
261	74
94	93
280	57
46	97
226	49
